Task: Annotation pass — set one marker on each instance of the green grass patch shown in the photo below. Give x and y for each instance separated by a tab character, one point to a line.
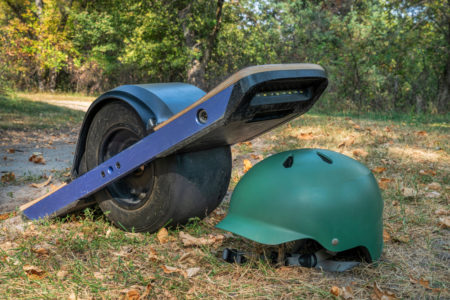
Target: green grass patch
439	121
19	113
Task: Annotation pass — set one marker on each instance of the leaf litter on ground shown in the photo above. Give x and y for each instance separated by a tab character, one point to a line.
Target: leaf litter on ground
77	242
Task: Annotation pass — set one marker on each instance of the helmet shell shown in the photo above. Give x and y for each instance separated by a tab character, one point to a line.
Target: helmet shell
309	194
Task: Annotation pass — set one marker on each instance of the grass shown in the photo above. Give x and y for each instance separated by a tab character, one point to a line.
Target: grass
43	97
85	256
19	113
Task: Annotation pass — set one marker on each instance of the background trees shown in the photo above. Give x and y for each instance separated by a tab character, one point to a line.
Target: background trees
380	55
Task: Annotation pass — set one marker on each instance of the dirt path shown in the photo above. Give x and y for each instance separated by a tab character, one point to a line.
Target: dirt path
77	105
16	147
56	147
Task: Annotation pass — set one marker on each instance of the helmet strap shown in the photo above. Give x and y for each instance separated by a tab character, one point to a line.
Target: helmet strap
321	259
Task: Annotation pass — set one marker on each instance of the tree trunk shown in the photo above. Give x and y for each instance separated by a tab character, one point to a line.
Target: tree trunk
443	95
419	104
197	71
40	70
52	79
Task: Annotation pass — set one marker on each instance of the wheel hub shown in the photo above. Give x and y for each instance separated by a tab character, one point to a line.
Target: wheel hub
130	191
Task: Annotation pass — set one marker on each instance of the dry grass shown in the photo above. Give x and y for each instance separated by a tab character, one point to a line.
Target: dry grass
44	97
86	257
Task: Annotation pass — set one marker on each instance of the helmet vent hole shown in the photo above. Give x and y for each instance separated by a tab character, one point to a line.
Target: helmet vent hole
325	158
288	162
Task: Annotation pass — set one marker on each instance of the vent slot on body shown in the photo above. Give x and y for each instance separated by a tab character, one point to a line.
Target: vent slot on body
270	115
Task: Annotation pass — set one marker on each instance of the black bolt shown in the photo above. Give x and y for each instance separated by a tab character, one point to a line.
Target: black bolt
202	116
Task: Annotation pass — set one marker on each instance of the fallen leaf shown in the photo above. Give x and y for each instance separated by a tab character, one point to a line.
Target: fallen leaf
5	246
424	283
347	142
168	295
395	203
387	129
170	270
37	159
401	239
40	250
185	257
379	294
34	272
422	133
189	240
427	172
6	216
386	236
125	251
383	183
432	194
61	274
42	184
438	212
305	136
360	152
378	170
258	157
335	291
248	143
147	291
54	187
247	165
444	222
8	177
347	292
131	294
153	255
409	192
286	270
191	272
163	236
434	186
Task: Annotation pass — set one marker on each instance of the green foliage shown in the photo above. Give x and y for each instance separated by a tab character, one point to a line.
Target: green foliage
380	55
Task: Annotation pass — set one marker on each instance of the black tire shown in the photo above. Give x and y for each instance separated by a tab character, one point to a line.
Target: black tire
168	190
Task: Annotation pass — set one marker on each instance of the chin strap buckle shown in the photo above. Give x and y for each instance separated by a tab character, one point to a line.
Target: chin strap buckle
319	260
233	256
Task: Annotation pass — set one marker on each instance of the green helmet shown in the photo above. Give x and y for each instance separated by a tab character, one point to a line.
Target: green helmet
309	194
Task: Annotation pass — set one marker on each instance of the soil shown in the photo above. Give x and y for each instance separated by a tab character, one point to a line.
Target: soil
77	105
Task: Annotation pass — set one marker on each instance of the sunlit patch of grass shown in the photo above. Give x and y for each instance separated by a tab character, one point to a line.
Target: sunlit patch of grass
18	113
43	97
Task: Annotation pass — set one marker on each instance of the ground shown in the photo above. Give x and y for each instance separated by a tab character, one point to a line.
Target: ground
30	128
83	256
